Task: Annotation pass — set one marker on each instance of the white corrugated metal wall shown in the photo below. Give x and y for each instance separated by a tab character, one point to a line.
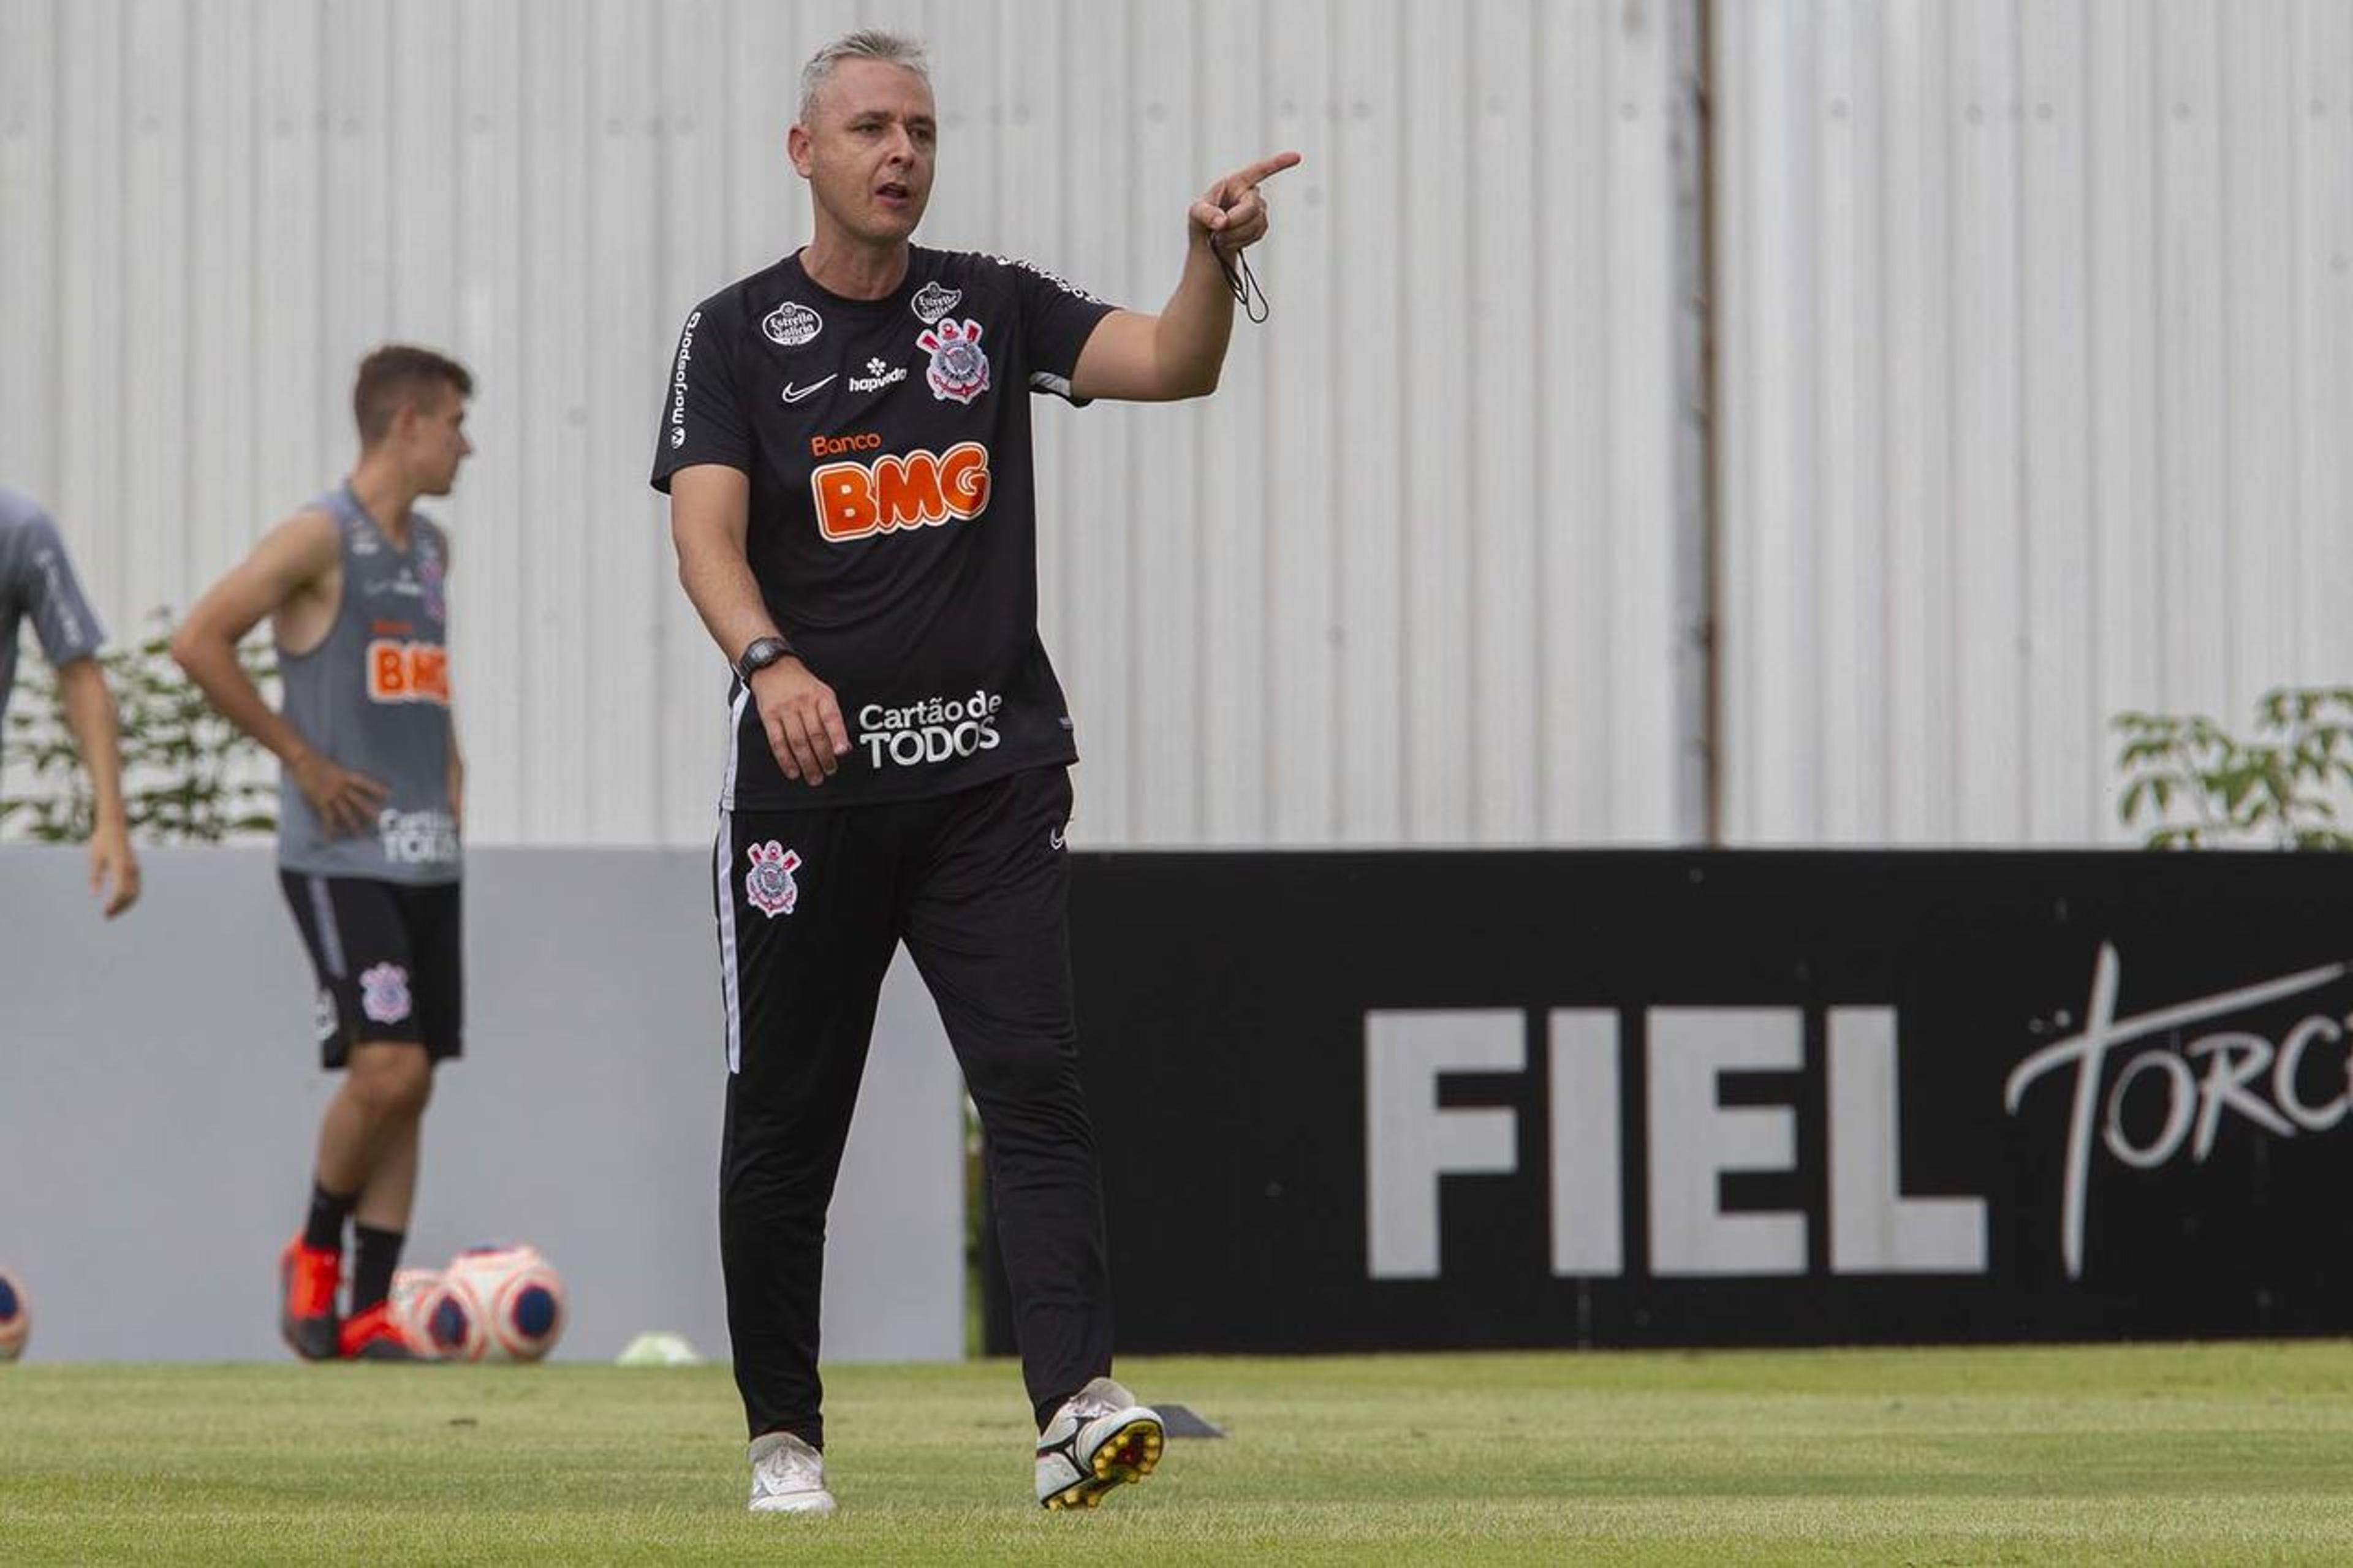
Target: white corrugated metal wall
1410	577
2035	356
2035	371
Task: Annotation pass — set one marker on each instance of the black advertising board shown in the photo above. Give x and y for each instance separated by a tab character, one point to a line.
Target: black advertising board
1425	1100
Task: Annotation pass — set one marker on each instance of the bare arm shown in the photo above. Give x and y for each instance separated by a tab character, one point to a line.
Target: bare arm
710	512
89	714
293	558
1180	352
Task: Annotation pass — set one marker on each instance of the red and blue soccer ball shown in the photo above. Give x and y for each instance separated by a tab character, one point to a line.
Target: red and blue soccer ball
493	1303
15	1317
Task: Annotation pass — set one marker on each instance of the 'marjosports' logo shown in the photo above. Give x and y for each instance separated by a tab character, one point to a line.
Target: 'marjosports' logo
677	382
400	671
431	576
921	489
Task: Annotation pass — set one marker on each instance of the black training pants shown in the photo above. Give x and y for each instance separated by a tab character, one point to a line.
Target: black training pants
812	904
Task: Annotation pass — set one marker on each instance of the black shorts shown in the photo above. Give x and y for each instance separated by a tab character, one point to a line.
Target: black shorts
389	958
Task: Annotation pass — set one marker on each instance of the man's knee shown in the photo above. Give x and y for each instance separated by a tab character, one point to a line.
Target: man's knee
1026	1070
1030	1099
392	1080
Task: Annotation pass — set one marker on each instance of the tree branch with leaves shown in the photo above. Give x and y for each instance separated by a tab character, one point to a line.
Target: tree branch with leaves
188	776
2190	785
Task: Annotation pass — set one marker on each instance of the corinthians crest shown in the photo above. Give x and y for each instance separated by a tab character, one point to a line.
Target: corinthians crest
383	992
959	371
768	886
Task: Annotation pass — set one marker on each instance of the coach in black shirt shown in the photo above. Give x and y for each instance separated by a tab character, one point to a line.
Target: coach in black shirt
845	441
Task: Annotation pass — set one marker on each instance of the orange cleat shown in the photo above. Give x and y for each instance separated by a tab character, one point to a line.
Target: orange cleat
371	1335
307	1281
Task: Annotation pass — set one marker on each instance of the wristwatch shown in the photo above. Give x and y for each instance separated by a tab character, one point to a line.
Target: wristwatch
764	652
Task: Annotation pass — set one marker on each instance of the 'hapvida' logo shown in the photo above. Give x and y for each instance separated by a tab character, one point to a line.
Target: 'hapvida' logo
2243	1073
768	886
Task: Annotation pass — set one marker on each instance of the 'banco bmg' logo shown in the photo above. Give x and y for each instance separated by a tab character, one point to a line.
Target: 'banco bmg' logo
920	490
935	730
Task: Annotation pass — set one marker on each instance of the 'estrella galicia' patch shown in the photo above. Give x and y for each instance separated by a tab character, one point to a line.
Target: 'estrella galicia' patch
791	324
934	299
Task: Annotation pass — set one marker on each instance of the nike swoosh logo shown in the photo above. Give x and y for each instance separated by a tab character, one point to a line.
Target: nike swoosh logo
1054	838
795	393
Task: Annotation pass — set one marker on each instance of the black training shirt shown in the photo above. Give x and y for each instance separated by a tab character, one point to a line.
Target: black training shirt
892	527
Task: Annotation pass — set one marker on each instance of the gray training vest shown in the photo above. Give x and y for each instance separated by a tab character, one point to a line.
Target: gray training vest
375	697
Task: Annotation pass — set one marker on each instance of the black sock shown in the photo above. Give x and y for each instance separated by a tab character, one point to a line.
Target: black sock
379	1254
323	1232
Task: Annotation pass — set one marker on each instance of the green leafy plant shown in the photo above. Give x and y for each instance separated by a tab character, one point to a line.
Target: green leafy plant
189	776
2189	784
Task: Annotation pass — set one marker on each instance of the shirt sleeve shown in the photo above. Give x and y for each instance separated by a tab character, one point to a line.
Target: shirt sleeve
52	596
703	418
1057	316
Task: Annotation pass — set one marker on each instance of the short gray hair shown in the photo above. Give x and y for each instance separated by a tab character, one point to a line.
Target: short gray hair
866	44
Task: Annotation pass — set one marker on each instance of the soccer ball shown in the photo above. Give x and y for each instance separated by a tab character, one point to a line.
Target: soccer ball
435	1319
15	1317
410	1308
497	1303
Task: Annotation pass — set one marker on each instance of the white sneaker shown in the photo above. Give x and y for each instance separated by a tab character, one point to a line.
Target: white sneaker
788	1476
1098	1440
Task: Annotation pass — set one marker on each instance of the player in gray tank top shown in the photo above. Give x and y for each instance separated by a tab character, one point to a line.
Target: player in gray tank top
375	697
370	800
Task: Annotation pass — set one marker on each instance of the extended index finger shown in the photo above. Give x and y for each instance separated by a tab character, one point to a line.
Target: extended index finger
1264	169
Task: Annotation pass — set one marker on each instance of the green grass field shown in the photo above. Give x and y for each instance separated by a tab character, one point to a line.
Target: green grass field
2148	1453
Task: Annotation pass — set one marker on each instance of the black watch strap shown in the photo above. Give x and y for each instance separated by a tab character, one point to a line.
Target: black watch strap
764	652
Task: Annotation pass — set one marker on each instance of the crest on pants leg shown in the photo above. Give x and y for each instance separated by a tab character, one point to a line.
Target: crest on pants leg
768	886
383	994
